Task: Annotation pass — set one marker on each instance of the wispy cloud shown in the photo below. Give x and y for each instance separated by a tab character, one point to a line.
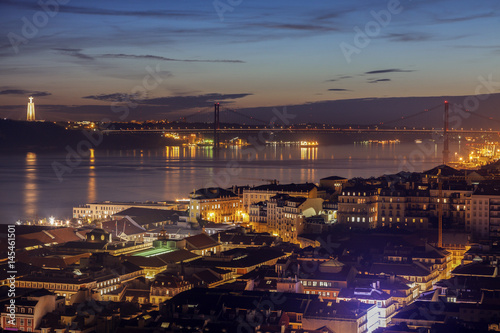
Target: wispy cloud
33	93
409	37
173	102
77	53
115	97
106	12
442	19
390	70
264	28
302	27
333	14
339	78
421	37
379	80
153	57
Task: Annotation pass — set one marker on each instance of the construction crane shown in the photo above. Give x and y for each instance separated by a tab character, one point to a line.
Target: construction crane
440	209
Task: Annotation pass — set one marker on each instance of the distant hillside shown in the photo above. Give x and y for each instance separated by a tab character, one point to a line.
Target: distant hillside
371	111
23	135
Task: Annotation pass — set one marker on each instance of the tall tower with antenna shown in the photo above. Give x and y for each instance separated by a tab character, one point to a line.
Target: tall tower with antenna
31	110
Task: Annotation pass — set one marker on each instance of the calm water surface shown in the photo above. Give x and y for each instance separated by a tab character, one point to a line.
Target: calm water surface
30	187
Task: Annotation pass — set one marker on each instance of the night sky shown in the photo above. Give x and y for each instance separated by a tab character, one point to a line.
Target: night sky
86	56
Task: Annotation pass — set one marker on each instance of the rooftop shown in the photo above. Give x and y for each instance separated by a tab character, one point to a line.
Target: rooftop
304	187
212	193
144	216
333	178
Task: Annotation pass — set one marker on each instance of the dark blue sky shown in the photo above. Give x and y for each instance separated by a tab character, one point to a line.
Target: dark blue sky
79	59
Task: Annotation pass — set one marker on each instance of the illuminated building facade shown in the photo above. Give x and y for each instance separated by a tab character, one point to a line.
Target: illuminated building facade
483	219
409	209
416	208
358	206
286	215
334	183
215	204
29	311
265	192
104	210
257	214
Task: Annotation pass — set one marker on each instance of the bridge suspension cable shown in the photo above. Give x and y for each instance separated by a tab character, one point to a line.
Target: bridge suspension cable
407	117
482	117
204	111
246	116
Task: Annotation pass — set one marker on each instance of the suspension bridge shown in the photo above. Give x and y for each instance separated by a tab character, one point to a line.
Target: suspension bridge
215	127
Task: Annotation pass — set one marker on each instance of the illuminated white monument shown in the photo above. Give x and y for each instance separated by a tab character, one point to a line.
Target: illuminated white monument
31	110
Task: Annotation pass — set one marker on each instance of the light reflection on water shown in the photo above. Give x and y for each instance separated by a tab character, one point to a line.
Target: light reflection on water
29	186
30	191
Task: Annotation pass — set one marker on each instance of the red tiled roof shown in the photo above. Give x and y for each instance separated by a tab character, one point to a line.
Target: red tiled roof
123	225
59	236
200	242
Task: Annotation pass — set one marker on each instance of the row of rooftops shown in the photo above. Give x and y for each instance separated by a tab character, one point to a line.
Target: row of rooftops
454	180
211	301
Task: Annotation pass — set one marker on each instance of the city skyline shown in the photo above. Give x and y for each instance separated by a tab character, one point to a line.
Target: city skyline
79	58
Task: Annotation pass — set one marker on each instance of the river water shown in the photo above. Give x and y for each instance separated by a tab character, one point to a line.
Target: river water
30	187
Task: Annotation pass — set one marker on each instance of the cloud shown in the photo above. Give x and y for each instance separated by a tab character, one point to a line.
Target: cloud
339	78
338	89
173	102
379	80
303	27
390	70
442	19
289	27
24	92
153	57
409	37
334	14
76	53
106	12
421	37
116	97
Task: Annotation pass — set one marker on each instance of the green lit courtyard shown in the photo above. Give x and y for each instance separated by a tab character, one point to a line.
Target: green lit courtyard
153	252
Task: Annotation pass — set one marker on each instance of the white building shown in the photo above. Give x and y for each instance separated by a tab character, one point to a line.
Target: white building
483	216
385	305
105	209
